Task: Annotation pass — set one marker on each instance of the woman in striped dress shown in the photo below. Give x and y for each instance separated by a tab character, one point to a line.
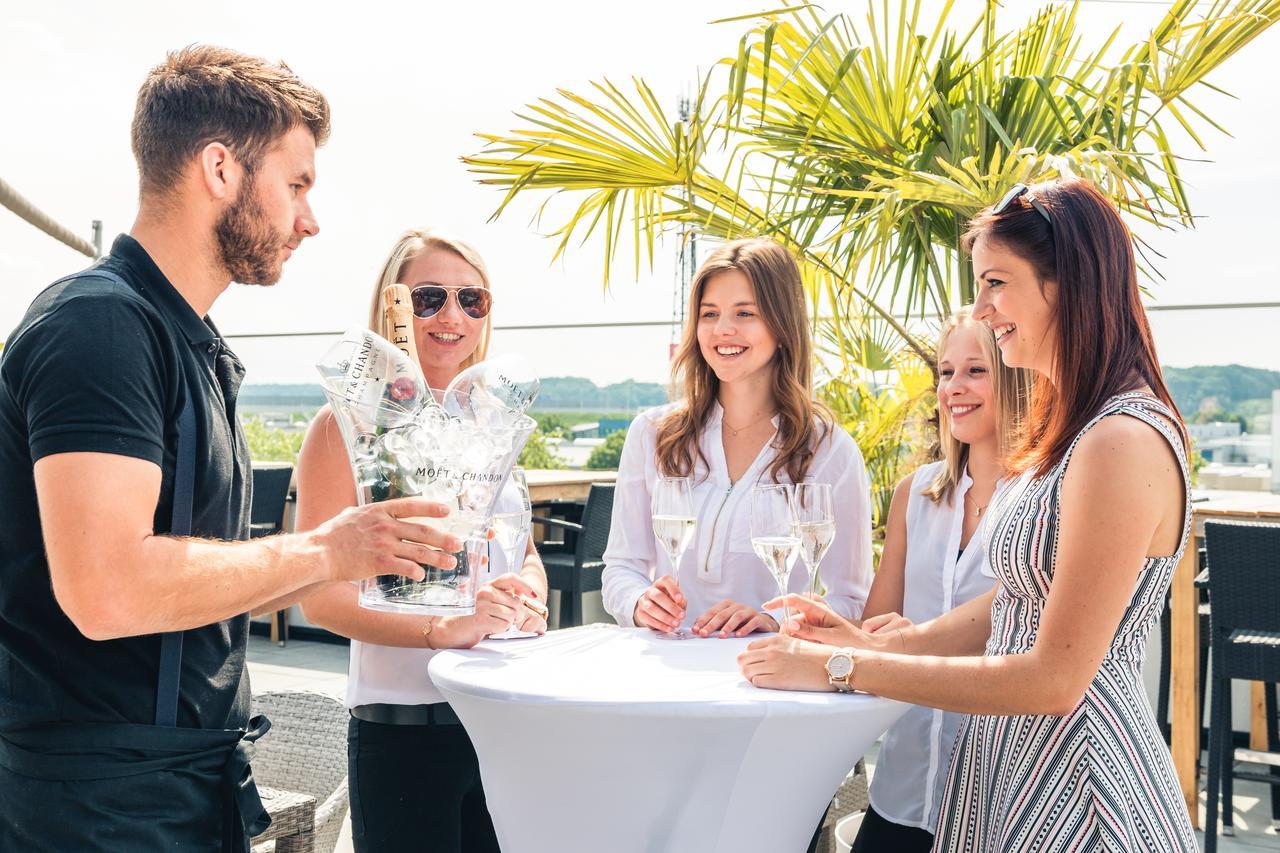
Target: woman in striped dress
1062	752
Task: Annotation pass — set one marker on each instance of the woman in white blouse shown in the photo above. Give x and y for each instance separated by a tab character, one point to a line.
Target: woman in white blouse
747	416
415	780
933	561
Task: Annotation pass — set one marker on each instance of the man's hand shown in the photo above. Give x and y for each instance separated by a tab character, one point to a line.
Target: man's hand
386	538
730	617
661	606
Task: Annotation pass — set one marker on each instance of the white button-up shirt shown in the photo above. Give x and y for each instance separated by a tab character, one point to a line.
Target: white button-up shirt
720	564
915	757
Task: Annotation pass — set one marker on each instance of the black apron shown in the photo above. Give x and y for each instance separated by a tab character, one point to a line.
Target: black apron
130	786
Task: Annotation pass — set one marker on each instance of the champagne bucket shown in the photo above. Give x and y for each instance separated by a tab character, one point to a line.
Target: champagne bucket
404	440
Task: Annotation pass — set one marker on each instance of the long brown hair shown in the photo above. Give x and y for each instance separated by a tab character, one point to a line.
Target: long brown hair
1010	390
1105	345
802	422
419	241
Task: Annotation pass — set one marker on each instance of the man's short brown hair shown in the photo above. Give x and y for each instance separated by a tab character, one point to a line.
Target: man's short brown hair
203	94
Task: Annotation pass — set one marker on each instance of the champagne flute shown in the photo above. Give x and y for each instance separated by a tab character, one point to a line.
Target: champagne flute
774	536
673	525
512	528
816	526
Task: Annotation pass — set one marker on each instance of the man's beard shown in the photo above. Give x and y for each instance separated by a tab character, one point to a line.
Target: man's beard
248	247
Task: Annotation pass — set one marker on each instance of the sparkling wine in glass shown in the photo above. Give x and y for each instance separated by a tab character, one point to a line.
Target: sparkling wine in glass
815	525
773	533
673	525
512	528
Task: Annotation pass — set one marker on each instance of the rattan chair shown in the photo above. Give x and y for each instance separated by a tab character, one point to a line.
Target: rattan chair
581	571
1244	588
305	751
851	797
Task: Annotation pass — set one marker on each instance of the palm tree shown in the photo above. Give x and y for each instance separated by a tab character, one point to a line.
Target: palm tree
867	148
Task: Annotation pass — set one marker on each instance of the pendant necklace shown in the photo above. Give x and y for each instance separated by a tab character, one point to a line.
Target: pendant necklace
734	432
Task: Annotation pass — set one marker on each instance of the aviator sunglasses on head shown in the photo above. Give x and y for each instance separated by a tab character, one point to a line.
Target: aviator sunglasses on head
1018	191
429	299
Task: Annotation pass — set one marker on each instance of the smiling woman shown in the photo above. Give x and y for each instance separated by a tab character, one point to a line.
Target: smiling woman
1060	749
401	727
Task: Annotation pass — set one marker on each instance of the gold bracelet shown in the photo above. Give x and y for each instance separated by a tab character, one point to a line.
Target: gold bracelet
902	637
430	626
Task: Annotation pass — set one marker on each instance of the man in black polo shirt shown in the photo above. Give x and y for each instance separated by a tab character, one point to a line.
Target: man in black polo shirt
93	387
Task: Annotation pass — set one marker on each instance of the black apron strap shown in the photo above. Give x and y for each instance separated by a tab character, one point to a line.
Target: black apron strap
183	495
170	674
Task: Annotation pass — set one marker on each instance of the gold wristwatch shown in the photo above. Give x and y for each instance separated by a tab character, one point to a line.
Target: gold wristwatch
840	668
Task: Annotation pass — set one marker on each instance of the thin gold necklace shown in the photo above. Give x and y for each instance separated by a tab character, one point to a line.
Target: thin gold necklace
734	432
977	510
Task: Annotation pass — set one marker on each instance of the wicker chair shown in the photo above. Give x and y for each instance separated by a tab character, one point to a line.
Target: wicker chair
851	797
581	571
305	751
1244	586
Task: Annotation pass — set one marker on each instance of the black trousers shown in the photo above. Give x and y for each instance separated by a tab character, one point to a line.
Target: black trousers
877	835
416	789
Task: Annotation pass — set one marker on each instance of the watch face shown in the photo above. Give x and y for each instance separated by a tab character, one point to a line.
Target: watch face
839	666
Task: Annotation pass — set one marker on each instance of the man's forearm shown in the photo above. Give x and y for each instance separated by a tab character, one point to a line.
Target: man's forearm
175	584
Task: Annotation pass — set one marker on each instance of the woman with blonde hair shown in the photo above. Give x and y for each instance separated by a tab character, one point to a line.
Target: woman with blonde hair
932	561
746	416
414	776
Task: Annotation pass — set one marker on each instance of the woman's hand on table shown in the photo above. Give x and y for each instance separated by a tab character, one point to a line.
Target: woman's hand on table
886	623
531	614
785	663
498	604
730	617
661	606
813	620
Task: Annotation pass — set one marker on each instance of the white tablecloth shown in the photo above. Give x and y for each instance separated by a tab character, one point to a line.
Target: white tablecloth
609	739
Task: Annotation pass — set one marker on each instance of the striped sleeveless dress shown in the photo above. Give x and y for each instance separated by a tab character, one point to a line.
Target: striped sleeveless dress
1099	778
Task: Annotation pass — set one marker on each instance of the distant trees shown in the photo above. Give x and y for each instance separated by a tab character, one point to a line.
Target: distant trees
607	456
536	453
1200	392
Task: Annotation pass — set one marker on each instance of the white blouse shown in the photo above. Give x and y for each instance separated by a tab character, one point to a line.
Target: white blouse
916	752
719	564
398	676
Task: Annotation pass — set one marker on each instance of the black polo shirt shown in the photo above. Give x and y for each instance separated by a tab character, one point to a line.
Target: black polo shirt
102	367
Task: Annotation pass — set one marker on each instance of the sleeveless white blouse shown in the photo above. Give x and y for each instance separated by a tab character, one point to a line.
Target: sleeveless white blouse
915	755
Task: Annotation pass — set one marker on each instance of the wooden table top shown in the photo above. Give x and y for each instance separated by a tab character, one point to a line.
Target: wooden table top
1263	506
563	477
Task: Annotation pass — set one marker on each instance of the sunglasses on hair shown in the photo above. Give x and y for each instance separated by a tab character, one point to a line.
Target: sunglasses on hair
1018	191
429	300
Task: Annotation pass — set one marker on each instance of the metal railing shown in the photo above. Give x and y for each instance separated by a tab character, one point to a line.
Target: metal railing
12	199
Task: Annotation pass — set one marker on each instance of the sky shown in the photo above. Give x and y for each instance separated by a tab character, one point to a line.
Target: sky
411	83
